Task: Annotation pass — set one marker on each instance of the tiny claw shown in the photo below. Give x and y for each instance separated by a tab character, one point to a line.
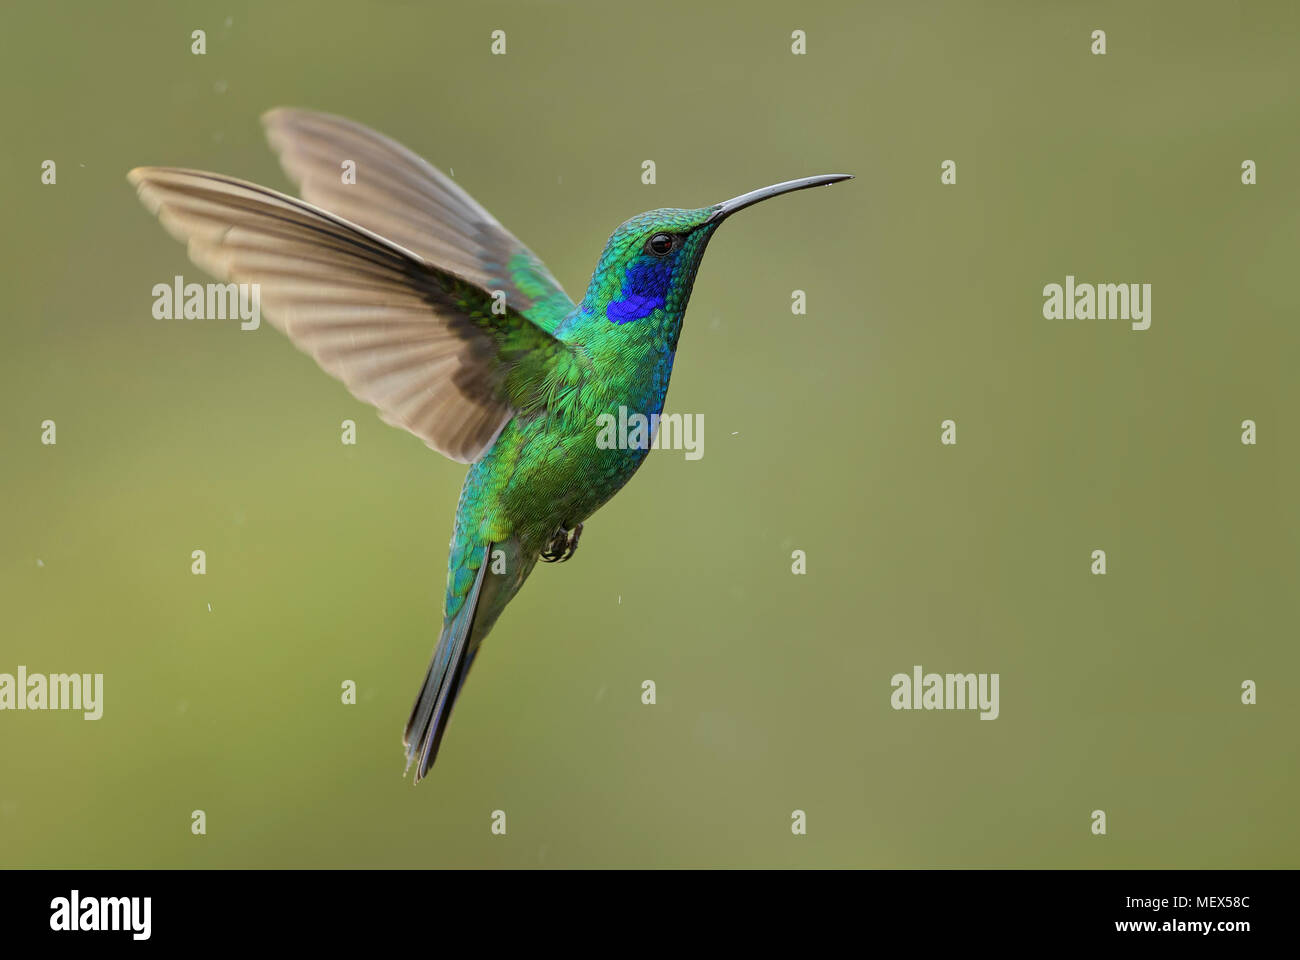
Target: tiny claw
555	549
562	546
572	547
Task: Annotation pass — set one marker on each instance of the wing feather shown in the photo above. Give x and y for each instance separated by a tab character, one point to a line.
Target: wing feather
399	195
418	342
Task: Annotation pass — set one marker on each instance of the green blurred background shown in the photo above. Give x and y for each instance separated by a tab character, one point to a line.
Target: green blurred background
326	563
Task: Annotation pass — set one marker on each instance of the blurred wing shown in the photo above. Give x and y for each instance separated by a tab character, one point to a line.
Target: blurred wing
420	344
403	197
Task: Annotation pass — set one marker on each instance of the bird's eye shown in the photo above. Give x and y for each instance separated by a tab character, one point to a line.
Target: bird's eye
661	244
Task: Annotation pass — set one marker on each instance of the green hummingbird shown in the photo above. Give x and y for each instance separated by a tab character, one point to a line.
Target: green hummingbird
403	287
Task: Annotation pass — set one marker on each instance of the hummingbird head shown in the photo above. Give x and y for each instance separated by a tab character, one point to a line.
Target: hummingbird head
648	266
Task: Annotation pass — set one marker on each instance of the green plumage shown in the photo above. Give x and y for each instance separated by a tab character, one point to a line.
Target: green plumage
413	295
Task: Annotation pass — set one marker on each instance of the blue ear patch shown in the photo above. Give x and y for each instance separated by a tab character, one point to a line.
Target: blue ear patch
645	288
632	308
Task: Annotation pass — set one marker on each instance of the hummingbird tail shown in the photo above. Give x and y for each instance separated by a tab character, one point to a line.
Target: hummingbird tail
451	660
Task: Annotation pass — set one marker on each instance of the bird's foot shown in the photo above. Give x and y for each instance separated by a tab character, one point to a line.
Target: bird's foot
563	545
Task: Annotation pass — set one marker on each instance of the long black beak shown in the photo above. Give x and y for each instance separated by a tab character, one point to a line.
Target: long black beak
725	209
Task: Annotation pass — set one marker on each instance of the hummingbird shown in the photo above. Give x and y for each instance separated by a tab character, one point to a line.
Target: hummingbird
403	287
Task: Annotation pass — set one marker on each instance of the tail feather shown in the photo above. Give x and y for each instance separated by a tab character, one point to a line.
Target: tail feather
447	671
